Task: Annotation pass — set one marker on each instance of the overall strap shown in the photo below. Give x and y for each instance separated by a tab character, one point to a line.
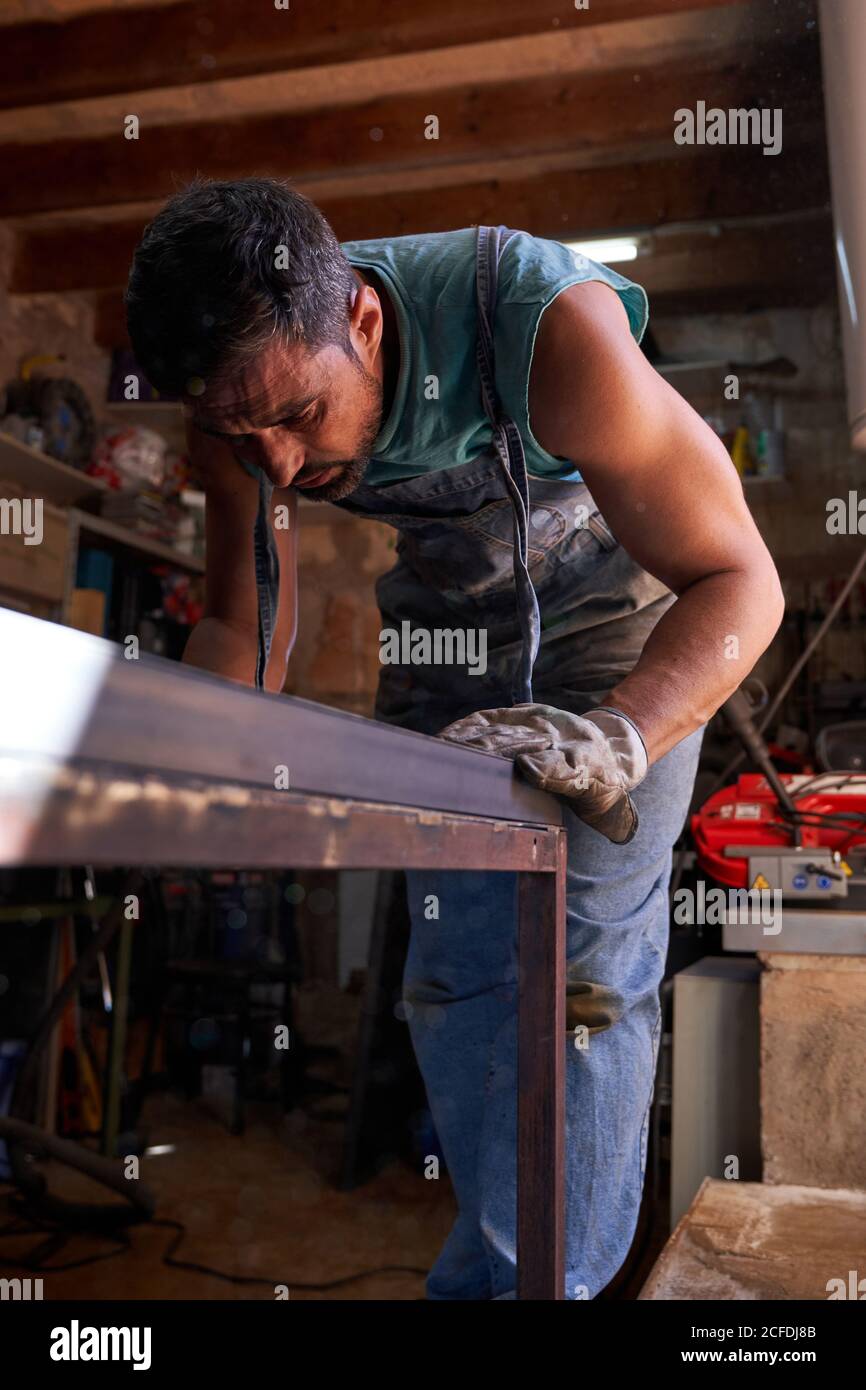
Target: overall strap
490	244
267	564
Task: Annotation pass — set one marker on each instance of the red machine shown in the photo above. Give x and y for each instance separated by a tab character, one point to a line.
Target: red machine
830	819
803	834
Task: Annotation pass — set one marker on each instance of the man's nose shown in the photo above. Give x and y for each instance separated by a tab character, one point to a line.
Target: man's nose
278	455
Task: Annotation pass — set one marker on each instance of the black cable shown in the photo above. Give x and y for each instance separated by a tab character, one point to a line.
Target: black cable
196	1268
32	1262
825	817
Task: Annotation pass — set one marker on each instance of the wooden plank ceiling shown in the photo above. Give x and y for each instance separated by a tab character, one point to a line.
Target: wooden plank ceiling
551	118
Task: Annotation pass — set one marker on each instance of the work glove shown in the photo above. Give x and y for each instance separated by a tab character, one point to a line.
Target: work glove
594	760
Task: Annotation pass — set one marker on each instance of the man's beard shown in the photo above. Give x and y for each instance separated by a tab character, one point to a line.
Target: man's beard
352	470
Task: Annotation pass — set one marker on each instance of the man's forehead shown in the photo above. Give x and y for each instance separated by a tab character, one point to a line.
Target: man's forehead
260	393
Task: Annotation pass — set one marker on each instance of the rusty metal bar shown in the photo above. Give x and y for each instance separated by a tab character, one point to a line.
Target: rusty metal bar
88	813
541	1046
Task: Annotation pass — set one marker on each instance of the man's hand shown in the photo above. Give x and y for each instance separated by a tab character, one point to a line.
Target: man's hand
671	496
594	760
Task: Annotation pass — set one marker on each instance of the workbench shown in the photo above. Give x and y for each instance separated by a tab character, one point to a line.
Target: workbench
117	762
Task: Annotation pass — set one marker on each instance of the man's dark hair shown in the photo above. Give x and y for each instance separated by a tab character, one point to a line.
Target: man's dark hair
223	269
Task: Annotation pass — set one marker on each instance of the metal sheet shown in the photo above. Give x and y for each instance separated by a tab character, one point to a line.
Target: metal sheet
69	696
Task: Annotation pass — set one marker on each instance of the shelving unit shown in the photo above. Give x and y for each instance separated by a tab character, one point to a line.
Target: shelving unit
126	539
84	526
73	491
46	477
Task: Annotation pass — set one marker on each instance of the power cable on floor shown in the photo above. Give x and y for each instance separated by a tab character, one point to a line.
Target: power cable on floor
36	1264
194	1267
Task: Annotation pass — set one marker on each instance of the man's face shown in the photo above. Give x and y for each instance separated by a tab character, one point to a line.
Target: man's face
308	418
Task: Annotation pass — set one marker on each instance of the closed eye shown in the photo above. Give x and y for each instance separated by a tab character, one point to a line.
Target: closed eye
231	439
304	417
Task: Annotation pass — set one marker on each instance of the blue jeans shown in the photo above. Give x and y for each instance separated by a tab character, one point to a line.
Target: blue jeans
460	987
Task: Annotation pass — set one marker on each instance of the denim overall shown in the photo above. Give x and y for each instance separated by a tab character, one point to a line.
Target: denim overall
566	614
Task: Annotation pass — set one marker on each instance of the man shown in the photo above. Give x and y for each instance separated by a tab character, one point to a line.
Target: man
483	392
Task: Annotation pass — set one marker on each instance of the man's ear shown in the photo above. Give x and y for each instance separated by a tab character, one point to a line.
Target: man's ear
365	322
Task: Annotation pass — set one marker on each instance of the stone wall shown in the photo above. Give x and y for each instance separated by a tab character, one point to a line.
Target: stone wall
813	1083
56	324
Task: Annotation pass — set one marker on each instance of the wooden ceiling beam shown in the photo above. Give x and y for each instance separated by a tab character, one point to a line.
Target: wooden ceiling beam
195	41
593	120
738	31
564	204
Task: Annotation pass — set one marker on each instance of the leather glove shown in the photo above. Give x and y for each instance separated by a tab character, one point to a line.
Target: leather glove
594	759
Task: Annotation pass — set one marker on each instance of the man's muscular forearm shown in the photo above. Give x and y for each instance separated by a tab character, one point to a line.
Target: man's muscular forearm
699	653
226	639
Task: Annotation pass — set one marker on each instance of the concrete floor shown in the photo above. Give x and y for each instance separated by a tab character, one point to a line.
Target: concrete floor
263	1204
266	1204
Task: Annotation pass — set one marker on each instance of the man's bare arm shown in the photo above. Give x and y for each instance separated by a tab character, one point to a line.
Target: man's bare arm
226	639
671	495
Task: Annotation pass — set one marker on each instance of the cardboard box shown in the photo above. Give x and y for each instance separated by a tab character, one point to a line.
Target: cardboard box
87	611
